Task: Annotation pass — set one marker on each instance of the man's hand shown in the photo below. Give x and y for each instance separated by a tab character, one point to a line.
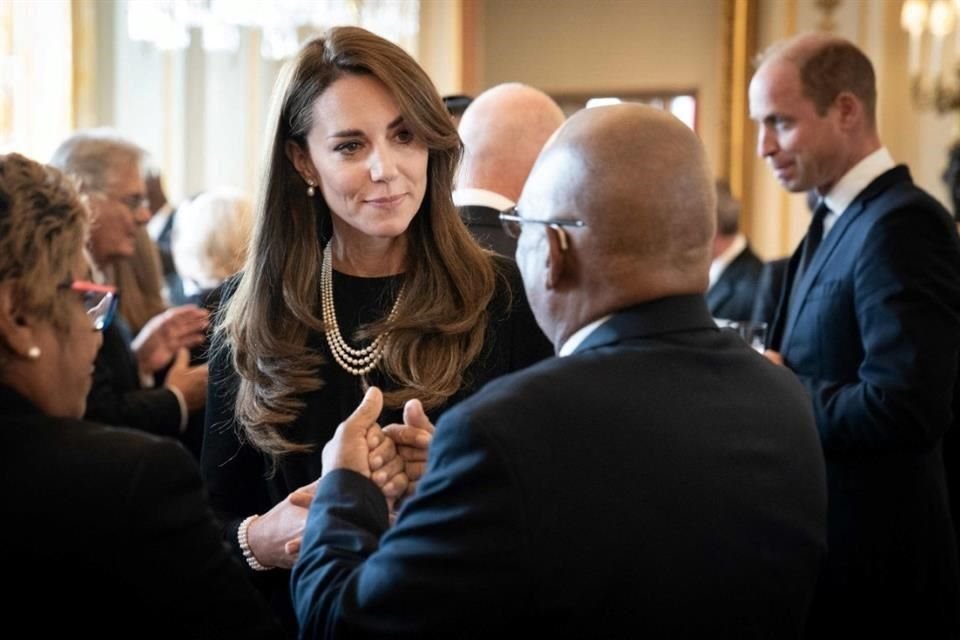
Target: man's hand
773	356
189	381
386	467
168	332
412	439
348	449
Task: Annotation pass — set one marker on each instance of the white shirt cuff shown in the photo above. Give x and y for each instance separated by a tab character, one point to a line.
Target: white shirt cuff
183	407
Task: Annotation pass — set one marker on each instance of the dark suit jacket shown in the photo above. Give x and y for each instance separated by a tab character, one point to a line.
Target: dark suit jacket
109	535
769	290
663	481
874	335
732	296
484	225
117	397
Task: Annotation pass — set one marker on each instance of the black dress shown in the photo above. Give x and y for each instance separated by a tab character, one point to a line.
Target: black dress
239	477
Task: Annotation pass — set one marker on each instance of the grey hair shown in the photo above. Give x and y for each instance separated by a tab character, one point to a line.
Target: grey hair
95	156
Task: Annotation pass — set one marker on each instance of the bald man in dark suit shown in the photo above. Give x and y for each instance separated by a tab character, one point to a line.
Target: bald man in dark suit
503	130
658	479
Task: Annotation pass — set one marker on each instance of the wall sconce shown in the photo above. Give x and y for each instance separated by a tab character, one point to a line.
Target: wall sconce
932	22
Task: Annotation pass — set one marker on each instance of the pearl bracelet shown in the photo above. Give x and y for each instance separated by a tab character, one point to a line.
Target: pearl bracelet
245	545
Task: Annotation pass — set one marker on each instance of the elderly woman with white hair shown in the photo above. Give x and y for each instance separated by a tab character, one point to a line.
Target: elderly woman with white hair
209	241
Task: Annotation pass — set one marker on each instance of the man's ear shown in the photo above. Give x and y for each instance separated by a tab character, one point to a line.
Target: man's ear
556	256
17	330
300	160
850	109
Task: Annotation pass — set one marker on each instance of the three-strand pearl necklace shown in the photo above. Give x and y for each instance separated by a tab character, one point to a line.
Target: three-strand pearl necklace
355	361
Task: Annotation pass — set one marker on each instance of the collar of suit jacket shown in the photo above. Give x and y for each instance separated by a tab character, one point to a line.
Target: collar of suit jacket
657	317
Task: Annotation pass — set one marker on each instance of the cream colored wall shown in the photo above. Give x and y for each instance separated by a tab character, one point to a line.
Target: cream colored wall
574	46
916	138
203	115
564	46
199	115
439	44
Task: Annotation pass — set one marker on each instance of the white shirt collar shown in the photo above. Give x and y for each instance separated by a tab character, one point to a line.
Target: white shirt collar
481	198
854	182
581	334
722	261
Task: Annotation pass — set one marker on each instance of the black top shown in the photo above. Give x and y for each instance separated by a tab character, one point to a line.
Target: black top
117	397
114	525
238	476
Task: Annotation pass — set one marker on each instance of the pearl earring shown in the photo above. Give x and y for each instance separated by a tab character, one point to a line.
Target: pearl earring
311	190
33	352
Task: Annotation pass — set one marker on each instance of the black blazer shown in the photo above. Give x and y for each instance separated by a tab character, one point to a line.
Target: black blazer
484	225
769	290
109	535
117	397
874	335
663	481
733	294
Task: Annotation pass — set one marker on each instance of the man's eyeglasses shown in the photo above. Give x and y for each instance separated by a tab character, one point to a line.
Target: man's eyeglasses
133	203
513	223
99	300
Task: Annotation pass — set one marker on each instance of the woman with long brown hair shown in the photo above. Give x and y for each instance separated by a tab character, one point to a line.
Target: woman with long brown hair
360	272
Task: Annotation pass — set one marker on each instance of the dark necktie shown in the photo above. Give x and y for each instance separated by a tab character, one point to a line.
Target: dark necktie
810	244
813	238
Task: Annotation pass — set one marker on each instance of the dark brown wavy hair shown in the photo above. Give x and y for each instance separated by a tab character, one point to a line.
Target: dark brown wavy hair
440	323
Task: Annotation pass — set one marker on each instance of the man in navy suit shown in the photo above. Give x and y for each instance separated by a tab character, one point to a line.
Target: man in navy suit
735	269
870	323
659	478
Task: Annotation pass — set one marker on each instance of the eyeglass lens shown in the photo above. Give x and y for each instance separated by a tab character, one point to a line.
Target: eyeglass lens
513	228
99	307
135	202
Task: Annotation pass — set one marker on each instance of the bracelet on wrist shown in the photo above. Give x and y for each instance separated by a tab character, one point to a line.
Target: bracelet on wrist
245	545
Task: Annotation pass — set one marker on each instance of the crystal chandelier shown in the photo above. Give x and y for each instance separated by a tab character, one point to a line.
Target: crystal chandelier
169	24
933	23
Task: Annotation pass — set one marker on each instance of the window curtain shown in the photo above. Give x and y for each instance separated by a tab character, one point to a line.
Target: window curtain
36	76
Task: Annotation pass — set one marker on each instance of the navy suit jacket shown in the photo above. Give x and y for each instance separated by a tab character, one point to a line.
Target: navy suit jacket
733	294
664	480
484	225
873	332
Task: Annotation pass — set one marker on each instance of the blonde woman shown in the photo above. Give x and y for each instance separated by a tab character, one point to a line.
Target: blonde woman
209	240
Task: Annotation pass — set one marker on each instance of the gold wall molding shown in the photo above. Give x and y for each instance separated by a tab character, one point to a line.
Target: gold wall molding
83	17
740	37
